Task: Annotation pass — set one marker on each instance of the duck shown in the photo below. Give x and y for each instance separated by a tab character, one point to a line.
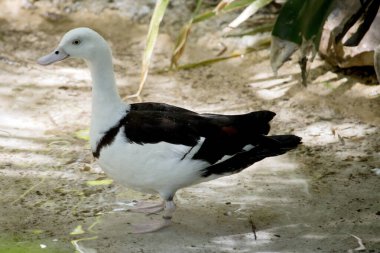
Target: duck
159	148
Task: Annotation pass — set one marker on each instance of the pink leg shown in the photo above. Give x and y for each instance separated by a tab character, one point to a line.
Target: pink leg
147	207
153	226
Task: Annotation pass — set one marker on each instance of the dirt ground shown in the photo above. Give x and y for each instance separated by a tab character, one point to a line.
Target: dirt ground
323	197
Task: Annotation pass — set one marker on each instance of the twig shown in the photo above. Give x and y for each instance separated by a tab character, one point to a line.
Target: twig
335	133
303	65
82	249
8	133
136	95
253	227
224	49
28	191
52	120
97	221
360	242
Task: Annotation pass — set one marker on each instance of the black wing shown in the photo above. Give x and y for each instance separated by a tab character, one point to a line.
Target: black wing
224	134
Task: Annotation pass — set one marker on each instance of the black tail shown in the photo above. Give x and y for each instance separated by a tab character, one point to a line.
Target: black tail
255	122
269	146
281	142
264	115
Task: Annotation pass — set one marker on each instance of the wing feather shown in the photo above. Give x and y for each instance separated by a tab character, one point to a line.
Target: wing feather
224	134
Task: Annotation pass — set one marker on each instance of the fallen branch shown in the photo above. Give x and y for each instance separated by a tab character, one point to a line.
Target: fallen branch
360	242
7	133
253	227
28	191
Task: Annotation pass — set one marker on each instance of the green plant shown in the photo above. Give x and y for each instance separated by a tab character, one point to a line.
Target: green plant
300	24
224	6
154	27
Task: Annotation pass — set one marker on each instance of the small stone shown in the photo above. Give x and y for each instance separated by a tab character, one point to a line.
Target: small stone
86	168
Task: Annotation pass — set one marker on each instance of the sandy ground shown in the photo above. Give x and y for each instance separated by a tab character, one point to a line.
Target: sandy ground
323	197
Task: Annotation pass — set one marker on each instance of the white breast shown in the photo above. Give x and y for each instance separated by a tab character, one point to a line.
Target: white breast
160	167
103	118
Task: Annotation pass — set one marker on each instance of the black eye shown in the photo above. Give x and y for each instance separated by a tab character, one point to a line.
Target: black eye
76	42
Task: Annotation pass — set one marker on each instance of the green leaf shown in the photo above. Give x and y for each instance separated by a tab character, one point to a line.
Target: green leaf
182	37
301	20
235	5
180	44
78	230
267	27
248	12
299	25
207	62
154	26
222	4
238	4
260	45
36	231
83	134
99	182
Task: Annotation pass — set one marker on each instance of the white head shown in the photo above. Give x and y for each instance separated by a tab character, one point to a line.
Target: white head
80	42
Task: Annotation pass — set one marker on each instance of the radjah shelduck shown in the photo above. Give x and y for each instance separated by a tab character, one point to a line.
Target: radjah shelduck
160	148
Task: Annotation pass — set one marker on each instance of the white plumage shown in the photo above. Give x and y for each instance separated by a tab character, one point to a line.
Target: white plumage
164	172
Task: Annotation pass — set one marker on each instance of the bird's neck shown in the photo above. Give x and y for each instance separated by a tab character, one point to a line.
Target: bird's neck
104	90
107	106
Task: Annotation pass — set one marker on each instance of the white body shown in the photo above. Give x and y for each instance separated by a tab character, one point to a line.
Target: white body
154	168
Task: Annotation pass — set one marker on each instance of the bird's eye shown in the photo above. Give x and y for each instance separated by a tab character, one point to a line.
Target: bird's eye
76	42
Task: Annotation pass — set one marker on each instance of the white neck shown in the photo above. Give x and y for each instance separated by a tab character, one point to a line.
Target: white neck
107	106
104	90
